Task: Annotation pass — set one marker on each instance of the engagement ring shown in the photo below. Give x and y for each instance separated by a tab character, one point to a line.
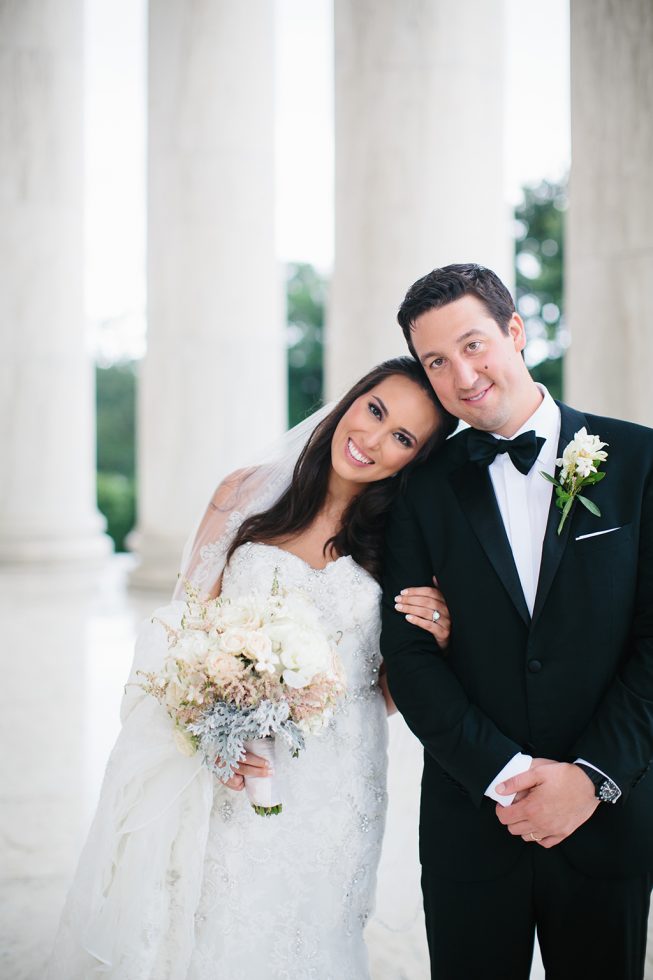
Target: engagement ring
436	615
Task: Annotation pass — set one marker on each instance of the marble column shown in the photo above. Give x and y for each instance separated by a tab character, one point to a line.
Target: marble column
214	380
609	271
419	162
47	488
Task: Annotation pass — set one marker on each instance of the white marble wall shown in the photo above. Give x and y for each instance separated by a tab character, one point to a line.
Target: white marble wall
47	487
609	272
419	162
214	380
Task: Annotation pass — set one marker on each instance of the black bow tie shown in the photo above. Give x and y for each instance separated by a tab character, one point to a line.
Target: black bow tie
523	450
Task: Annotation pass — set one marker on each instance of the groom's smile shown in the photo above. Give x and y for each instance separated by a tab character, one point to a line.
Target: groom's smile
478	396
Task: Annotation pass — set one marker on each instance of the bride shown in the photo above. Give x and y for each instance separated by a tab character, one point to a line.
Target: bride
179	878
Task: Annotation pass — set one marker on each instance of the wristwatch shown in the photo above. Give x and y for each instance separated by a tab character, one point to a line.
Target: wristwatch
604	789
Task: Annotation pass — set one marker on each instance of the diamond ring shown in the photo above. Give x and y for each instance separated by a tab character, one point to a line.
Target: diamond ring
436	616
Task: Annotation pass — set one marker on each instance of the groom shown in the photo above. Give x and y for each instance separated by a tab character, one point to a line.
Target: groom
537	721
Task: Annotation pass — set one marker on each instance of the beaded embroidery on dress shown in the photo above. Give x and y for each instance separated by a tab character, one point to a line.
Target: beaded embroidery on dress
181	880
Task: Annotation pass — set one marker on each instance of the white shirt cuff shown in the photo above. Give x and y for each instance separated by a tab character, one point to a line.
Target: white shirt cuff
519	763
596	768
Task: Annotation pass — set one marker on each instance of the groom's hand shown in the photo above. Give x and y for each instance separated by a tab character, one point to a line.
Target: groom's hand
559	798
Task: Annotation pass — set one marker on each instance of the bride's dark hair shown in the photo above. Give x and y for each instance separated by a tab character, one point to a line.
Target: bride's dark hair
361	529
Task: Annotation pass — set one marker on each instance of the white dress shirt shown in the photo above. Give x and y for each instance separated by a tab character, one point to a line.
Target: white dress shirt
524	503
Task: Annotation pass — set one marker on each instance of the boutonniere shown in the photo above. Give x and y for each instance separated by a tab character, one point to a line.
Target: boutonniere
580	462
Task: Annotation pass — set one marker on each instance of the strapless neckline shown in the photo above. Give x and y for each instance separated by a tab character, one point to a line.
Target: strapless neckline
291	554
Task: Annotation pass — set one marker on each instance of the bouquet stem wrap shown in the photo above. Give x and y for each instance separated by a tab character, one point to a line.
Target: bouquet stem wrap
263	792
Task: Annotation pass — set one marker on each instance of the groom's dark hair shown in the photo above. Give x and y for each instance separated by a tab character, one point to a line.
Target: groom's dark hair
443	286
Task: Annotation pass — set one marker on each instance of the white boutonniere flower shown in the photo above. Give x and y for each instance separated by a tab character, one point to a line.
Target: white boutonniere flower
579	468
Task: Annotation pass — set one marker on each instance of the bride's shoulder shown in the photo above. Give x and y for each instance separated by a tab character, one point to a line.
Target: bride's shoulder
228	492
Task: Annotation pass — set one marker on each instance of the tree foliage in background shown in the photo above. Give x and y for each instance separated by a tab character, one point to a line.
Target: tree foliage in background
539	261
306	298
116	448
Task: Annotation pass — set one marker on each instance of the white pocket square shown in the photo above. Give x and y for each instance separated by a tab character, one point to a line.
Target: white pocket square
595	534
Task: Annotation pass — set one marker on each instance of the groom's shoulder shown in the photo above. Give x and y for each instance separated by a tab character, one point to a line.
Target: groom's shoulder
607	427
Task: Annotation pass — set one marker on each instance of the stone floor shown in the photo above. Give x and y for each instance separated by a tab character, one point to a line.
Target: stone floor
66	650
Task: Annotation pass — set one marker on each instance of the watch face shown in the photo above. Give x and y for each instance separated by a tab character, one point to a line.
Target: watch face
608	792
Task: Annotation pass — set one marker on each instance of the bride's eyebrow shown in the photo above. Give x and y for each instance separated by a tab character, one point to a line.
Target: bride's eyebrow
400	428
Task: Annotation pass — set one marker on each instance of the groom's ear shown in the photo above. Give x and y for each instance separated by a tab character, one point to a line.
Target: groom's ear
517	332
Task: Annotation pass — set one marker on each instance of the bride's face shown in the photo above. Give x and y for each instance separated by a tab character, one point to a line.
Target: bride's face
382	431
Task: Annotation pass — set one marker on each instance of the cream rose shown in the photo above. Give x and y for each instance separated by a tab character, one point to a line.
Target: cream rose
233	640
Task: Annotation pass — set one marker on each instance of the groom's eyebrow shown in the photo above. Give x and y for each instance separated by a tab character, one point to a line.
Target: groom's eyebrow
459	340
400	428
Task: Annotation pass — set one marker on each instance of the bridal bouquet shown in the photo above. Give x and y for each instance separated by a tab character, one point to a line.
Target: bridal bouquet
241	671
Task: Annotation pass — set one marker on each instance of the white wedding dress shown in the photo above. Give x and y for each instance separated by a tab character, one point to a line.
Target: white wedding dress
181	880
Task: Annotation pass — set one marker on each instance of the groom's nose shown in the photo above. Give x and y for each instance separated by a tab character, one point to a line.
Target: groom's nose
465	374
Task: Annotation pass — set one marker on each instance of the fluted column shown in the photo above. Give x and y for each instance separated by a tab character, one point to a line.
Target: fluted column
213	386
609	274
47	486
419	161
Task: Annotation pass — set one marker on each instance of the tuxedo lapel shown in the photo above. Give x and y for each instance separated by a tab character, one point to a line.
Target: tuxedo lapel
475	494
554	544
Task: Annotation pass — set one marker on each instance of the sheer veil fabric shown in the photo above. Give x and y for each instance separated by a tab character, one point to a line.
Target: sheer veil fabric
130	911
250	490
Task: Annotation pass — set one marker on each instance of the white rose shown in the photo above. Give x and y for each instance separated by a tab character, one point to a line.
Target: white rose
184	742
233	640
298	610
241	612
259	646
193	646
303	652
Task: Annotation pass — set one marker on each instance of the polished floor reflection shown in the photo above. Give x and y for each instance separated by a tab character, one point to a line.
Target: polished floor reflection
66	649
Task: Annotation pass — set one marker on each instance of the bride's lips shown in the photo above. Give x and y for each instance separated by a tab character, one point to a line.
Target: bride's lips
350	449
478	397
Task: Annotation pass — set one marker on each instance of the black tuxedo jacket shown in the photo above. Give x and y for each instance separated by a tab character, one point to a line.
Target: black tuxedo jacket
573	681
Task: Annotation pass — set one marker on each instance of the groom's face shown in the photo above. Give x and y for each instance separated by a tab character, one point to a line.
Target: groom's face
475	368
